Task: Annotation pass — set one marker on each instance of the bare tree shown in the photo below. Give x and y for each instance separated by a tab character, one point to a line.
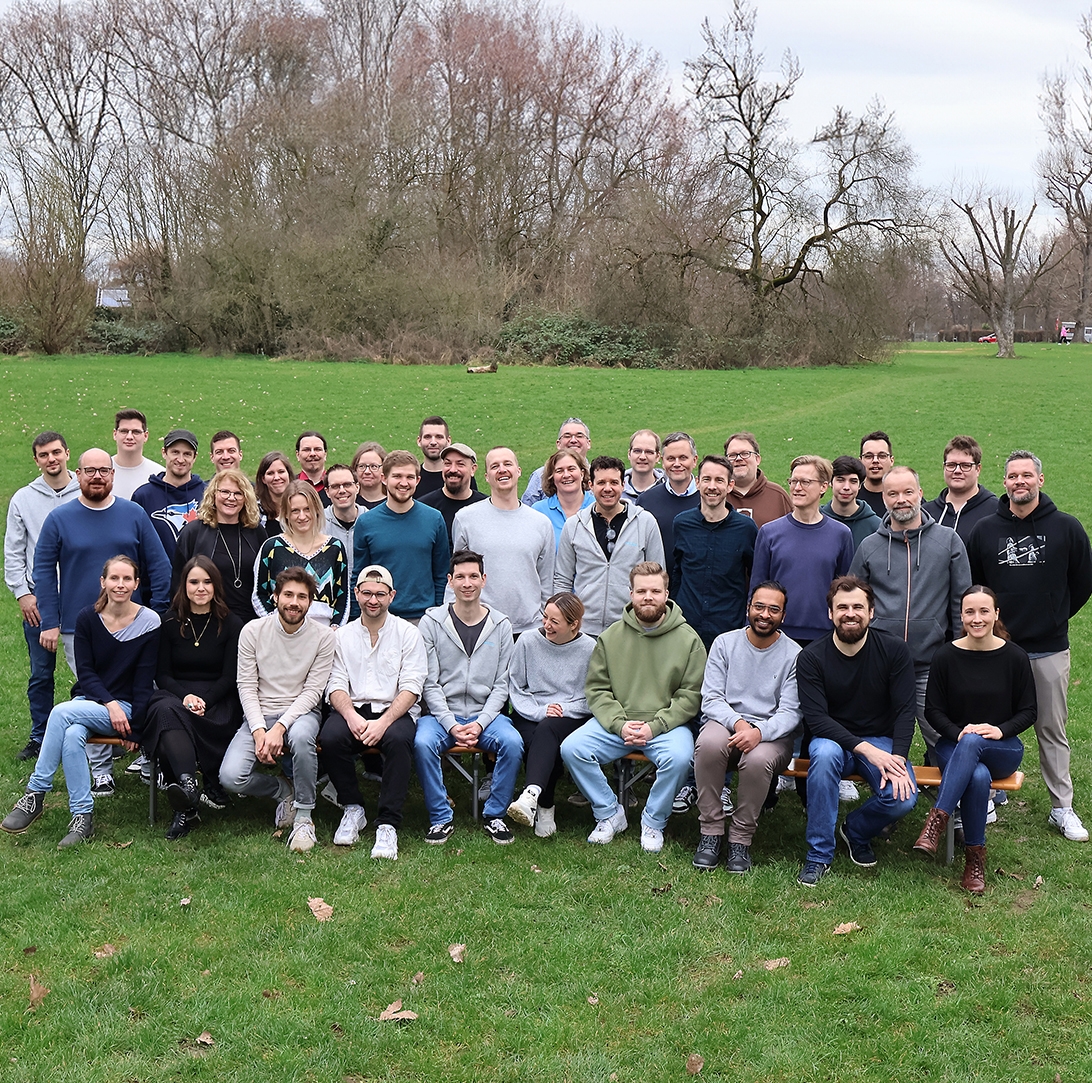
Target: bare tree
996	263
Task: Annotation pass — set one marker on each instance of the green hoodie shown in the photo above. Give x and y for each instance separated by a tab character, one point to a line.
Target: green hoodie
651	675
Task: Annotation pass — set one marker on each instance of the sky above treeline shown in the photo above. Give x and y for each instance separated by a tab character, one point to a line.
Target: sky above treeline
963	77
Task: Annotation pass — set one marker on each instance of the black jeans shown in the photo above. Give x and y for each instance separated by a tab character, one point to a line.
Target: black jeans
542	745
338	759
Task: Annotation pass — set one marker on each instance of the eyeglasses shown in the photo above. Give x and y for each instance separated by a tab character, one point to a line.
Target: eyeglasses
772	609
369	468
131	432
739	456
97	471
372	595
876	456
229	494
956	467
804	482
342	485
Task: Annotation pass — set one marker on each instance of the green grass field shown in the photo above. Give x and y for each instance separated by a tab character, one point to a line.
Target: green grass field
582	963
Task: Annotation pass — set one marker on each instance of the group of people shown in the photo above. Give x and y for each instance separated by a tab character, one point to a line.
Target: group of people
258	638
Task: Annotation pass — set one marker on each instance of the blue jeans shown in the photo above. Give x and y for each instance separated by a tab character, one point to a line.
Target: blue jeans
242	773
65	741
585	751
829	764
431	739
968	766
43	664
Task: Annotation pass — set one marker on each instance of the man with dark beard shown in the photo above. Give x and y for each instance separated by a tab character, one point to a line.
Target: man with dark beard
857	694
750	716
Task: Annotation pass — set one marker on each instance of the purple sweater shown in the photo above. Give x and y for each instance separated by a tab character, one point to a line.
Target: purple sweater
803	558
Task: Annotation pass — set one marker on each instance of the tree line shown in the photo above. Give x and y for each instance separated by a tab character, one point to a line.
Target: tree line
433	179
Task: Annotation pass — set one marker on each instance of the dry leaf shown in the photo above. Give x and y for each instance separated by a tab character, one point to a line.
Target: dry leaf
737	975
336	1028
31	950
535	868
120	845
457	952
205	973
38	993
205	1038
694	1064
712	900
417	978
774	964
1038	882
945	988
184	902
613	1077
271	994
458	852
682	900
279	833
104	952
661	890
846	927
663	866
1011	875
394	1011
322	910
593	999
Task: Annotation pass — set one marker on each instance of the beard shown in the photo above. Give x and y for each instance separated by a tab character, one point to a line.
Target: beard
905	515
650	614
851	635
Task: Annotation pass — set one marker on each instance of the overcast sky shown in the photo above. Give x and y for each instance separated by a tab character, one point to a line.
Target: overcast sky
962	76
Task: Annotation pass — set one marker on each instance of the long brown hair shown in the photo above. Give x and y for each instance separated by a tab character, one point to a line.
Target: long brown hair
103	599
270	504
180	603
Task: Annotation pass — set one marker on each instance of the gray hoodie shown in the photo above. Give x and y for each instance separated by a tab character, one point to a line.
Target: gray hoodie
917	577
26	514
603	586
474	686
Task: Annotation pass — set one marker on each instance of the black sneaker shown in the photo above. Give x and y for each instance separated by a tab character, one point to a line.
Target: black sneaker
498	831
80	829
438	834
103	786
214	796
184	821
812	873
860	853
29	751
27	809
739	858
707	855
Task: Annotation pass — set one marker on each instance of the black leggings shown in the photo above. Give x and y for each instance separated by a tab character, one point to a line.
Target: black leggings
177	754
542	744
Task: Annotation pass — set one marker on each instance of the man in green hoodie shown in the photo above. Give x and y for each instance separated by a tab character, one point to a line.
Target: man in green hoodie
643	687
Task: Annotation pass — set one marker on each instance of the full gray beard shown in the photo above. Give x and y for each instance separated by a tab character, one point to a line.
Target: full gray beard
906	515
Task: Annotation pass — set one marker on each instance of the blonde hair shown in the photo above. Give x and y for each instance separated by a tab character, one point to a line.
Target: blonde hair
248	515
823	467
307	491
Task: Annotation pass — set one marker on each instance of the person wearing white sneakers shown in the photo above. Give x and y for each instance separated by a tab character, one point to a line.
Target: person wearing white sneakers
284	664
643	688
546	686
375	690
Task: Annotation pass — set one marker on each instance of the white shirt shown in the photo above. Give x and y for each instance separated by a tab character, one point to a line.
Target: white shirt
372	676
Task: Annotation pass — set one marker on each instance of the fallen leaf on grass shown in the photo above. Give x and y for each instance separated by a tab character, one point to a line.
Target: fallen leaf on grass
1011	875
38	993
31	950
457	952
663	866
712	900
814	905
120	845
661	890
775	964
205	1038
694	1064
336	1028
846	927
271	994
458	852
104	952
394	1011
184	902
593	999
322	910
1038	883
945	988
535	868
206	973
737	975
417	978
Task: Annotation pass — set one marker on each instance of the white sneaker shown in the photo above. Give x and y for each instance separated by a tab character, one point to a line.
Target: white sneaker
302	838
544	822
957	816
386	842
352	823
522	810
652	839
726	802
1069	824
614	824
286	811
847	791
784	784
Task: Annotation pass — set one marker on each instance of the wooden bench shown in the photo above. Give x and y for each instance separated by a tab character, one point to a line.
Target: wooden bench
925	776
115	742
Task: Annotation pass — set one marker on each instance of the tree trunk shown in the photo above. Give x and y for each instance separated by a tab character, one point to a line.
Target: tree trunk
1004	322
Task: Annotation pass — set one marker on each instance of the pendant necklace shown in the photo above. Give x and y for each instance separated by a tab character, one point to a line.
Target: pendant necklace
197	638
235	564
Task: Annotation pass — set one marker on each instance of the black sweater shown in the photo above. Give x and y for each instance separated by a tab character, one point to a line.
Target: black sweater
213	662
108	669
993	688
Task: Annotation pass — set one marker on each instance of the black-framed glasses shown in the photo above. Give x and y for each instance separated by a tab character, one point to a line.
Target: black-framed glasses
955	467
97	471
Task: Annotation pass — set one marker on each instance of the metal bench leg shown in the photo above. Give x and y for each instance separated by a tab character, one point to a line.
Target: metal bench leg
950	839
474	803
625	780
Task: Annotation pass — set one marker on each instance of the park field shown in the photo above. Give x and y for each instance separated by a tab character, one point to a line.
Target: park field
201	960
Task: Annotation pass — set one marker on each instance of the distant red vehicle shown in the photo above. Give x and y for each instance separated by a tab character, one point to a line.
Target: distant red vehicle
988	338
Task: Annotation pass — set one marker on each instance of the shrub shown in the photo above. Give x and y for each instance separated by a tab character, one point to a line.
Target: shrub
569	338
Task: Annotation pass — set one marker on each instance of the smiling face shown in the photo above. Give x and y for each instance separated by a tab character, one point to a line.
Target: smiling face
845	488
1023	482
458	470
574	436
466	581
714	485
568	481
555	627
766	612
806	489
606	487
649	597
745	462
179	459
342	489
502	470
679	462
230	501
374	598
312	456
850	613
119	582
199	590
643	455
96	475
293	601
876	456
52	459
902	496
277	477
401	484
226	453
979	613
300	518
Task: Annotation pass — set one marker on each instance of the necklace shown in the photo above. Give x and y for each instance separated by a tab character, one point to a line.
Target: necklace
197	638
235	564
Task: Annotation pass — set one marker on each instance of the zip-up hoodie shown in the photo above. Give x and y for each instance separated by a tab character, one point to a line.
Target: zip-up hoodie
1039	567
980	506
603	585
649	675
26	514
170	507
918	577
863	523
473	686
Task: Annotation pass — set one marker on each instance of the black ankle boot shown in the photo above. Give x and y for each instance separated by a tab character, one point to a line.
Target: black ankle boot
183	794
183	823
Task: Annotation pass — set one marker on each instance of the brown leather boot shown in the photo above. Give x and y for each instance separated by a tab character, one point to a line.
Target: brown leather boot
974	873
936	823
